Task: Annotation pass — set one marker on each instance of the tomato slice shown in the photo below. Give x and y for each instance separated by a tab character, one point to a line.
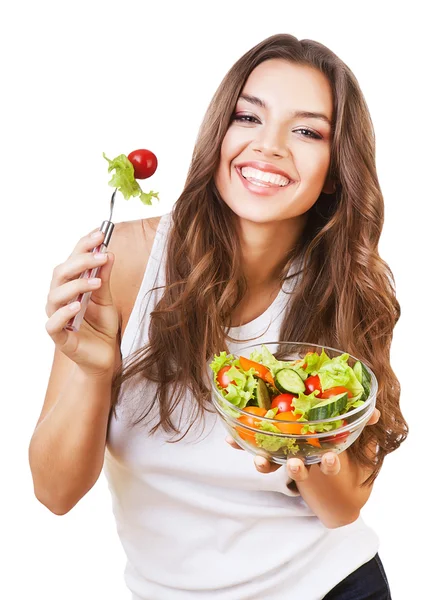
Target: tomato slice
246	434
261	370
222	379
334	391
283	403
312	383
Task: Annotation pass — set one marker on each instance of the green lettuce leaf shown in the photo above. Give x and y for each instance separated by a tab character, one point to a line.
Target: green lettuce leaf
220	361
241	391
123	179
343	358
315	361
265	357
356	403
229	409
273	443
337	372
321	427
303	403
146	198
270	414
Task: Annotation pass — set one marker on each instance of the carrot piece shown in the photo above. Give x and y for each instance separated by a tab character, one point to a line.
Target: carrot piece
262	371
314	442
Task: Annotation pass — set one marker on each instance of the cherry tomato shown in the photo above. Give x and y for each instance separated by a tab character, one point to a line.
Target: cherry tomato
312	383
283	403
262	371
294	428
334	391
222	378
246	434
144	163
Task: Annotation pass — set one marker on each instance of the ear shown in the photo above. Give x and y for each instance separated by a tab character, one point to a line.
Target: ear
329	187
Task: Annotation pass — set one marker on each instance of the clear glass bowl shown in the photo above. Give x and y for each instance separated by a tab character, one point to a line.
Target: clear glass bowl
309	447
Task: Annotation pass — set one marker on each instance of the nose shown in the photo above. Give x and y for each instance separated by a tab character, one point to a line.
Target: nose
270	142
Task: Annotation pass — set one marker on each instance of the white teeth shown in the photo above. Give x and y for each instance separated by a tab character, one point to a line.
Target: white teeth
273	178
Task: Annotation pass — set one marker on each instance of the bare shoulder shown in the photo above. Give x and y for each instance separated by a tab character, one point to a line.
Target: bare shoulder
131	243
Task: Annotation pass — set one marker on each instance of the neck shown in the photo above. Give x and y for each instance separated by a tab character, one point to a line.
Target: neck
265	247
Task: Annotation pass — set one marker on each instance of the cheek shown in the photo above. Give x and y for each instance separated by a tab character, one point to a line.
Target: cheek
232	146
315	164
230	149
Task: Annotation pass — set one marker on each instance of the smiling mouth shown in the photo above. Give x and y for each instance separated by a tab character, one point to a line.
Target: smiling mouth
262	178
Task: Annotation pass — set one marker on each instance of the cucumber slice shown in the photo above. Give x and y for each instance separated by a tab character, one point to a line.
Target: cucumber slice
366	383
363	376
332	407
288	381
357	368
263	395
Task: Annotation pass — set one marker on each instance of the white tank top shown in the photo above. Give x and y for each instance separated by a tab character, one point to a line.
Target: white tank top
195	518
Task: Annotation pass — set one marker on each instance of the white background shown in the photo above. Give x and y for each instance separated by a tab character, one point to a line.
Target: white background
85	77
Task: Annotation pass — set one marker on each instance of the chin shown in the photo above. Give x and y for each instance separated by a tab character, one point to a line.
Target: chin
250	211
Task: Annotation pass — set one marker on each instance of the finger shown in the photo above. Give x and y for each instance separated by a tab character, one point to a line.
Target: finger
330	463
375	417
55	325
102	294
296	469
75	265
265	466
69	292
232	443
88	242
64	289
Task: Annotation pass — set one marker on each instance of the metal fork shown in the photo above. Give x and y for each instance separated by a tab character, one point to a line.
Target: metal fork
107	228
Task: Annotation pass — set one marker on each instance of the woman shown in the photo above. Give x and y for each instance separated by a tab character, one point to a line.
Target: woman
274	236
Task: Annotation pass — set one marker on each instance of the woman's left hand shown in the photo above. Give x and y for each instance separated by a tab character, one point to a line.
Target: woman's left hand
296	469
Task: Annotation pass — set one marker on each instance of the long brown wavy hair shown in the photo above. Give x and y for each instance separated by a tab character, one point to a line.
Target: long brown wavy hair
345	297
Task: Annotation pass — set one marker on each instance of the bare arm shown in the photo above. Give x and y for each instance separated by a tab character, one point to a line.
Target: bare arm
66	452
67	449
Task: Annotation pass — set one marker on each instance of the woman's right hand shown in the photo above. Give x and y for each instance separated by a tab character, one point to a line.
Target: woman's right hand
93	346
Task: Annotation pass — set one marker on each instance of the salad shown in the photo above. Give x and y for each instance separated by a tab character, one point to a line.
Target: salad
139	164
297	392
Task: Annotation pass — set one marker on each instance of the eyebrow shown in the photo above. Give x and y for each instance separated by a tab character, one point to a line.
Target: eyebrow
298	114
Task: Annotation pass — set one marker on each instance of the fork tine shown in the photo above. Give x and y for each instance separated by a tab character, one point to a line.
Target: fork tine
112	205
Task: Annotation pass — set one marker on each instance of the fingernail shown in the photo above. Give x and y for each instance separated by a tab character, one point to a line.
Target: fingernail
96	235
294	467
260	462
330	460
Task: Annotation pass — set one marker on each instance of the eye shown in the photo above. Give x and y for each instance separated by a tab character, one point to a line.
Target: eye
309	133
244	118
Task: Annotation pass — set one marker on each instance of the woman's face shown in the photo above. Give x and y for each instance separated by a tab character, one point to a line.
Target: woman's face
274	158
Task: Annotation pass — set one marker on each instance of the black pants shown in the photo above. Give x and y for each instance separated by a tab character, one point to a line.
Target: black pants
369	582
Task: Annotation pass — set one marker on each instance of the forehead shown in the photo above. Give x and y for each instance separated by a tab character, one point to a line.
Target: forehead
289	86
